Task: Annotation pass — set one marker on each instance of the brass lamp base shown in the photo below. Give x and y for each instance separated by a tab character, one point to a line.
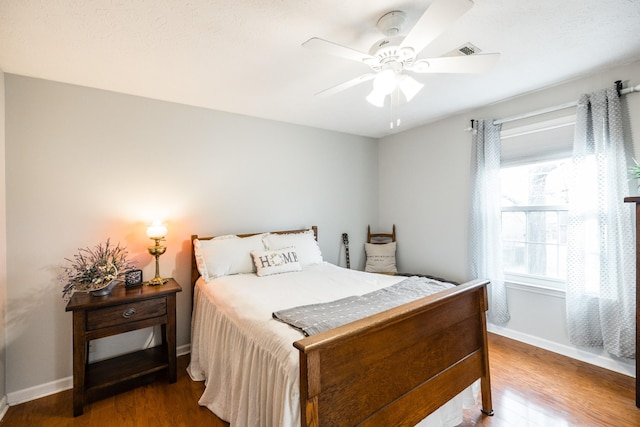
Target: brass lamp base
156	281
156	251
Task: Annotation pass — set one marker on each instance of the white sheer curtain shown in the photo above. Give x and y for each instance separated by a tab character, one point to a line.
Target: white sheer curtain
485	243
600	240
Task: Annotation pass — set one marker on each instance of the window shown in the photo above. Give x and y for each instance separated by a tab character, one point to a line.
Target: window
536	159
534	221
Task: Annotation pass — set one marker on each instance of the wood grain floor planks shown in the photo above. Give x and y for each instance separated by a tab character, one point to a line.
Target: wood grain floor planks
531	387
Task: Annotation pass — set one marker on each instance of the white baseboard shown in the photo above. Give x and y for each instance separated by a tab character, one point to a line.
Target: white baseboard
183	349
36	392
575	353
4	407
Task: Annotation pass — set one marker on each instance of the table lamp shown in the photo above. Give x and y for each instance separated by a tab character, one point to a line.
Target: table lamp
157	231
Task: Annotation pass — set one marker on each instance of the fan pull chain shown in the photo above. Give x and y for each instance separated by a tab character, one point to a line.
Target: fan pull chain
394	102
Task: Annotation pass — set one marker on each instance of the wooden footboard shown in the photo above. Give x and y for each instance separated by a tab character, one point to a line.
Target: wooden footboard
398	366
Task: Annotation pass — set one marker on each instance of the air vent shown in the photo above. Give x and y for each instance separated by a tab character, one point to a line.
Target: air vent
465	50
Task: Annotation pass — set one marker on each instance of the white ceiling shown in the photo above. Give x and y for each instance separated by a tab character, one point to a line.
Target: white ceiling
245	56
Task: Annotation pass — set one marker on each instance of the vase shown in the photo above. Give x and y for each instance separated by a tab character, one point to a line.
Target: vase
106	289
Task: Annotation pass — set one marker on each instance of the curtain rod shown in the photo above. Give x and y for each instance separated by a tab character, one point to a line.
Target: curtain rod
561	106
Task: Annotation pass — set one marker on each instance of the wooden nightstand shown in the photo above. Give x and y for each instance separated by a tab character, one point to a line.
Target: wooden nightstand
123	310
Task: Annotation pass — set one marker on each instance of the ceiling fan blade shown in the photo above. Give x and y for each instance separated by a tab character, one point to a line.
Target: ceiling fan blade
346	85
478	63
435	20
325	46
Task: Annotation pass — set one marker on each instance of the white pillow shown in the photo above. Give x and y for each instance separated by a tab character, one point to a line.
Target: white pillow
304	243
226	255
381	258
276	261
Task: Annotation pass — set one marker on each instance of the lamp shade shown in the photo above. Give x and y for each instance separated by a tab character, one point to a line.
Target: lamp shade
156	230
409	86
376	98
385	81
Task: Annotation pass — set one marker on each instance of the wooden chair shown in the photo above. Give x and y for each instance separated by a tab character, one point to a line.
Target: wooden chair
380	238
380	251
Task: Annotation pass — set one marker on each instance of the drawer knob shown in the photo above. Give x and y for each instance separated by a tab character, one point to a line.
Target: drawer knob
128	313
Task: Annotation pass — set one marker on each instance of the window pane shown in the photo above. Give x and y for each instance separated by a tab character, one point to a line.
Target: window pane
514	183
514	257
514	226
544	260
536	184
534	226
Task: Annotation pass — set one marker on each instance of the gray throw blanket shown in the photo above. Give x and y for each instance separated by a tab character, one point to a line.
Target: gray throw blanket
315	318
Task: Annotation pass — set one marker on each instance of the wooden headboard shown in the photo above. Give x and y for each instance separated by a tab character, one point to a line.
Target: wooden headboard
194	268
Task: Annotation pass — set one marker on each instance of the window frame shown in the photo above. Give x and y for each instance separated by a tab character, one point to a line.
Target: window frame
543	283
532	279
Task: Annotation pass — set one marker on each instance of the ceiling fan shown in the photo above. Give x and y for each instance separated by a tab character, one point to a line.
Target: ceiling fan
390	57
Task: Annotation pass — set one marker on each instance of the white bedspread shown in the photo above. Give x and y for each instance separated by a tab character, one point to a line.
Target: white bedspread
247	358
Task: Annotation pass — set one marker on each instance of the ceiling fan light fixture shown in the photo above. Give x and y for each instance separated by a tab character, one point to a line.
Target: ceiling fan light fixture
396	53
385	81
409	86
376	98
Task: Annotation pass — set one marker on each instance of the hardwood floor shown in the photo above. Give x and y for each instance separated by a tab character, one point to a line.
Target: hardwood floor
531	387
157	404
536	388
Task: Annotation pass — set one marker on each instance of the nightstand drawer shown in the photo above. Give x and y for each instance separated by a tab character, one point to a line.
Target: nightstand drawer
125	313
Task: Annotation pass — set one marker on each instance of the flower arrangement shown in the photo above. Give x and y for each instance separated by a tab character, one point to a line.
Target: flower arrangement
93	268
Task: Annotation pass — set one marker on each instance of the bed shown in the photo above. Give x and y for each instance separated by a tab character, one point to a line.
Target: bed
419	362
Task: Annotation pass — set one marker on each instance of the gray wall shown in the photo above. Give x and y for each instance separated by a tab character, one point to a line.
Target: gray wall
424	190
3	246
84	165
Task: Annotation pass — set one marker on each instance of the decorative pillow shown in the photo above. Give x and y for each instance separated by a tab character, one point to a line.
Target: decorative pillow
226	255
304	243
276	261
381	258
